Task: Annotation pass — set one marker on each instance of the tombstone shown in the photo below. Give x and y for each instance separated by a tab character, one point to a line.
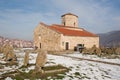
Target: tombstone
9	53
10	56
5	50
117	51
26	58
0	49
40	60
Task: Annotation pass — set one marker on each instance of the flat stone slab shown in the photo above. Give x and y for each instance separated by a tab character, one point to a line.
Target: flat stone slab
56	70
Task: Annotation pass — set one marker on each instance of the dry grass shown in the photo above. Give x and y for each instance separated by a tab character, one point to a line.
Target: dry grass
32	76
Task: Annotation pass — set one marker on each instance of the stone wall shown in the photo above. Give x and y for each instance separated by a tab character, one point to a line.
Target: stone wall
74	40
47	38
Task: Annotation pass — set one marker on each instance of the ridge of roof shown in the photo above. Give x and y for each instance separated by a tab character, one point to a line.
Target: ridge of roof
66	26
69	14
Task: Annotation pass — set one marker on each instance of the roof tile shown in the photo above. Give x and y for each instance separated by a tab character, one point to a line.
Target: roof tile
70	32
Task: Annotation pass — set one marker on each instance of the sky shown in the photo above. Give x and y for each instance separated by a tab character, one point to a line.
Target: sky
18	18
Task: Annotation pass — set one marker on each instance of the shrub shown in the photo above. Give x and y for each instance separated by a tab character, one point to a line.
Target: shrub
95	50
85	50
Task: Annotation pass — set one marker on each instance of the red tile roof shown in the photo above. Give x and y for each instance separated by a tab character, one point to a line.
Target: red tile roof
65	31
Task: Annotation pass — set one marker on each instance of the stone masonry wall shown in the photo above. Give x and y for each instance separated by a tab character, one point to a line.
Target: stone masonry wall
73	41
48	39
36	38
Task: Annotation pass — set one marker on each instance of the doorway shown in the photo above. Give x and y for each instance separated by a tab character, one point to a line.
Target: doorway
67	46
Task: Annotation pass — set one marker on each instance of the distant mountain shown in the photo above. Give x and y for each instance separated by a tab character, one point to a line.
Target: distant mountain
110	39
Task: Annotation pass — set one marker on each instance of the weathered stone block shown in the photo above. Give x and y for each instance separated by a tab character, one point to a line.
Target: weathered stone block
40	60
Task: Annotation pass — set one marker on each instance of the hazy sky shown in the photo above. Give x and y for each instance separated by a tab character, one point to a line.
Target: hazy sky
18	18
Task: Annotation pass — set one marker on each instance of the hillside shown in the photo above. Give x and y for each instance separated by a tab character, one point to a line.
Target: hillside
16	42
110	39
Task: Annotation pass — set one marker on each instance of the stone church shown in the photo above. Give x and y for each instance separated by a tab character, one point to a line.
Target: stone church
66	36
